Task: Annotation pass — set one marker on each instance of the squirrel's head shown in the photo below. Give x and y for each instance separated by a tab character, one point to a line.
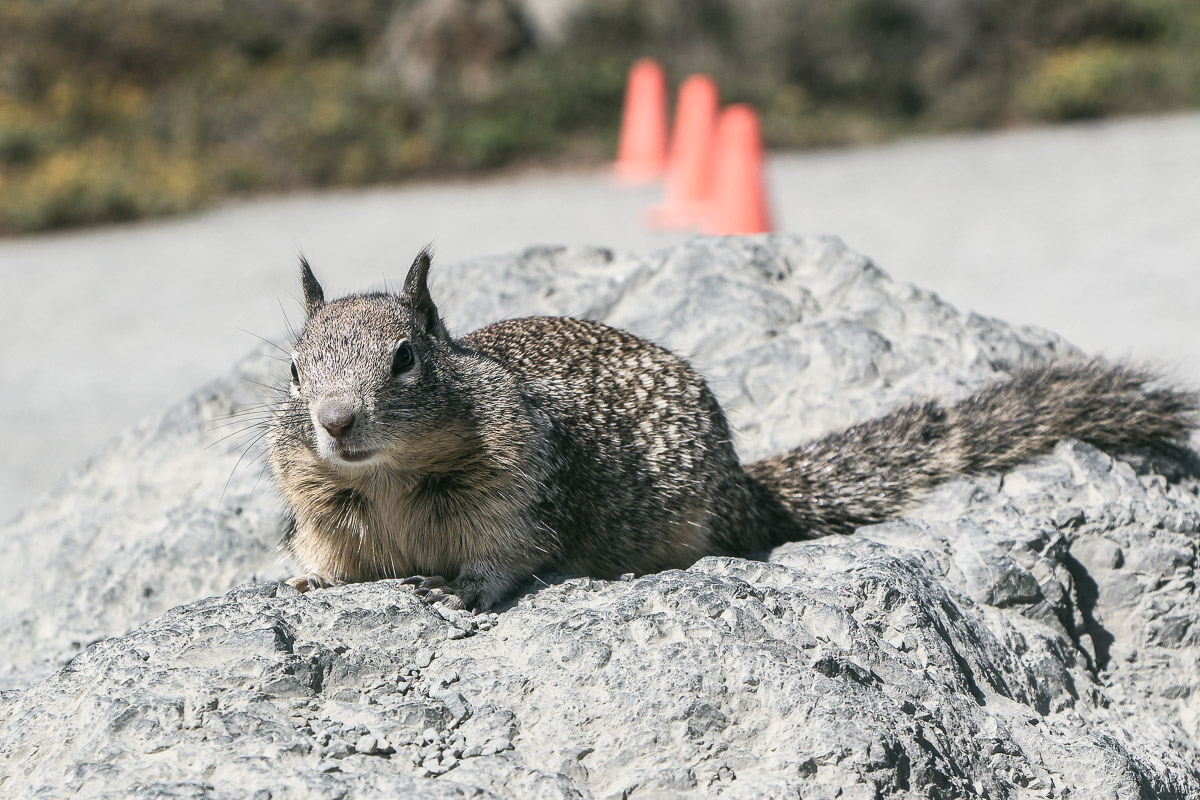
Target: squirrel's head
369	373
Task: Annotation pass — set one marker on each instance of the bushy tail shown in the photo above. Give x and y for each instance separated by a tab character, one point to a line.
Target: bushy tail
872	471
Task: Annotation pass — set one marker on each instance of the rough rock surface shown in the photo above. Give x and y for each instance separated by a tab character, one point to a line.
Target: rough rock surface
1031	634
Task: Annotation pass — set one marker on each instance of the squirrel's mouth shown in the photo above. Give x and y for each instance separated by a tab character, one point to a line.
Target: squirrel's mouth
351	455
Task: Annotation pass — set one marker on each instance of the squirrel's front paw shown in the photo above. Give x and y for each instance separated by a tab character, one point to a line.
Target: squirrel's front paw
307	583
437	590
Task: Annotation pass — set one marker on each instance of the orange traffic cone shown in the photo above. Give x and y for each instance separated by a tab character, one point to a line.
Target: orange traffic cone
689	164
739	199
642	152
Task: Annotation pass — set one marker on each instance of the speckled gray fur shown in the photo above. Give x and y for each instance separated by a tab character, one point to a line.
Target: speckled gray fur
1029	633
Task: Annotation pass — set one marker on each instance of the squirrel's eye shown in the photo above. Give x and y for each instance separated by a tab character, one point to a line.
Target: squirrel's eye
295	374
403	358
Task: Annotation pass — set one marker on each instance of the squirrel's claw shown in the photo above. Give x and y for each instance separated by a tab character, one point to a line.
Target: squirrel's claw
306	583
434	589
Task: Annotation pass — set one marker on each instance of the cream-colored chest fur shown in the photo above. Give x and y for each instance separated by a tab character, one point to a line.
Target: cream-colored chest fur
373	527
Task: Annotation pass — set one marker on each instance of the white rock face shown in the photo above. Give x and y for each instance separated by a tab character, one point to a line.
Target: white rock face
1031	634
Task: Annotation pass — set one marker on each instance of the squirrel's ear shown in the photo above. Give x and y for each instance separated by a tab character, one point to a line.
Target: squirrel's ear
314	295
416	296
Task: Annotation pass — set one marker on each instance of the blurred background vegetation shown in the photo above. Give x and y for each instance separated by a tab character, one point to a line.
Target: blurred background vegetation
117	109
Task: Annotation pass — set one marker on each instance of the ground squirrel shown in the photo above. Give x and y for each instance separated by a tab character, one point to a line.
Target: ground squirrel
550	444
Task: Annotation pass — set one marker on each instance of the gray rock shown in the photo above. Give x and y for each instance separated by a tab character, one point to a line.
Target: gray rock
1032	634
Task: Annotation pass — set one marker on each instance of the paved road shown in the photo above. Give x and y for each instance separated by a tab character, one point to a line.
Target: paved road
1093	231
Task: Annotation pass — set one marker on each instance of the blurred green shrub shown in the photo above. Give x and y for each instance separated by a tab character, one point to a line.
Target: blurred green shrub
117	109
1080	82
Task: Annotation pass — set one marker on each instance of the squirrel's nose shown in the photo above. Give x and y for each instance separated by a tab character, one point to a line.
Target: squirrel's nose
337	417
